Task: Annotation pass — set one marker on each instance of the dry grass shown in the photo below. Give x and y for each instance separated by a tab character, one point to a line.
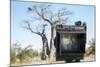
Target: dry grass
37	60
89	58
34	61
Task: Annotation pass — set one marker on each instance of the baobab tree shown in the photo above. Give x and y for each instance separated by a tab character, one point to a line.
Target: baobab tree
44	12
45	48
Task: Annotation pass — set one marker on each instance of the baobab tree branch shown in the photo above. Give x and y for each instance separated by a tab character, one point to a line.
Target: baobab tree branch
64	12
43	29
46	14
28	27
42	15
62	16
41	12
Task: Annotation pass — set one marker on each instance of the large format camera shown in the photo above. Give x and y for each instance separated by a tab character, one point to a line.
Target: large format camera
70	42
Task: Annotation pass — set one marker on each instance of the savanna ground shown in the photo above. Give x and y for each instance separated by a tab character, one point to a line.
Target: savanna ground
38	61
28	56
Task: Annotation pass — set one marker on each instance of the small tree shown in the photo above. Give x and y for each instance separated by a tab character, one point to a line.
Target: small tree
45	48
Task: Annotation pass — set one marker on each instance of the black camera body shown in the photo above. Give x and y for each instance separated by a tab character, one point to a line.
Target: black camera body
70	42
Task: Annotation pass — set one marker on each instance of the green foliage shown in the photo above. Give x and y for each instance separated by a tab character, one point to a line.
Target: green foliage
15	48
91	49
13	56
22	54
26	53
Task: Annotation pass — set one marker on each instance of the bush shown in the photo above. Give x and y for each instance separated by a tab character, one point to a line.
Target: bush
91	49
23	54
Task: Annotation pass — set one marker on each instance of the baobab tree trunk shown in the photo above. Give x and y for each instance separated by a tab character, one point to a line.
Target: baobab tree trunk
45	48
52	47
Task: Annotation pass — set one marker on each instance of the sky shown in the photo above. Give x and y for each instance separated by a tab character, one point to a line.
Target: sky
85	13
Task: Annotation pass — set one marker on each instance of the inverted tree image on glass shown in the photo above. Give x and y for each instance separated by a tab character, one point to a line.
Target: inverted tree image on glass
69	43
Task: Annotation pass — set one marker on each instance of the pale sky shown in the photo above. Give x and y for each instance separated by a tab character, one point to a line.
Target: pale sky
85	13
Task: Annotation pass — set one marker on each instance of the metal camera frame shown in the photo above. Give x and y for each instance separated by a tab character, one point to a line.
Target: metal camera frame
70	56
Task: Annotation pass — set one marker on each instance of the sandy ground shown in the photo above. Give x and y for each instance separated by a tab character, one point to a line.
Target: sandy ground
38	61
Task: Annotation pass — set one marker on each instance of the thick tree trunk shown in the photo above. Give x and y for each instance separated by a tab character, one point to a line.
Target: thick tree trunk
45	48
52	47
